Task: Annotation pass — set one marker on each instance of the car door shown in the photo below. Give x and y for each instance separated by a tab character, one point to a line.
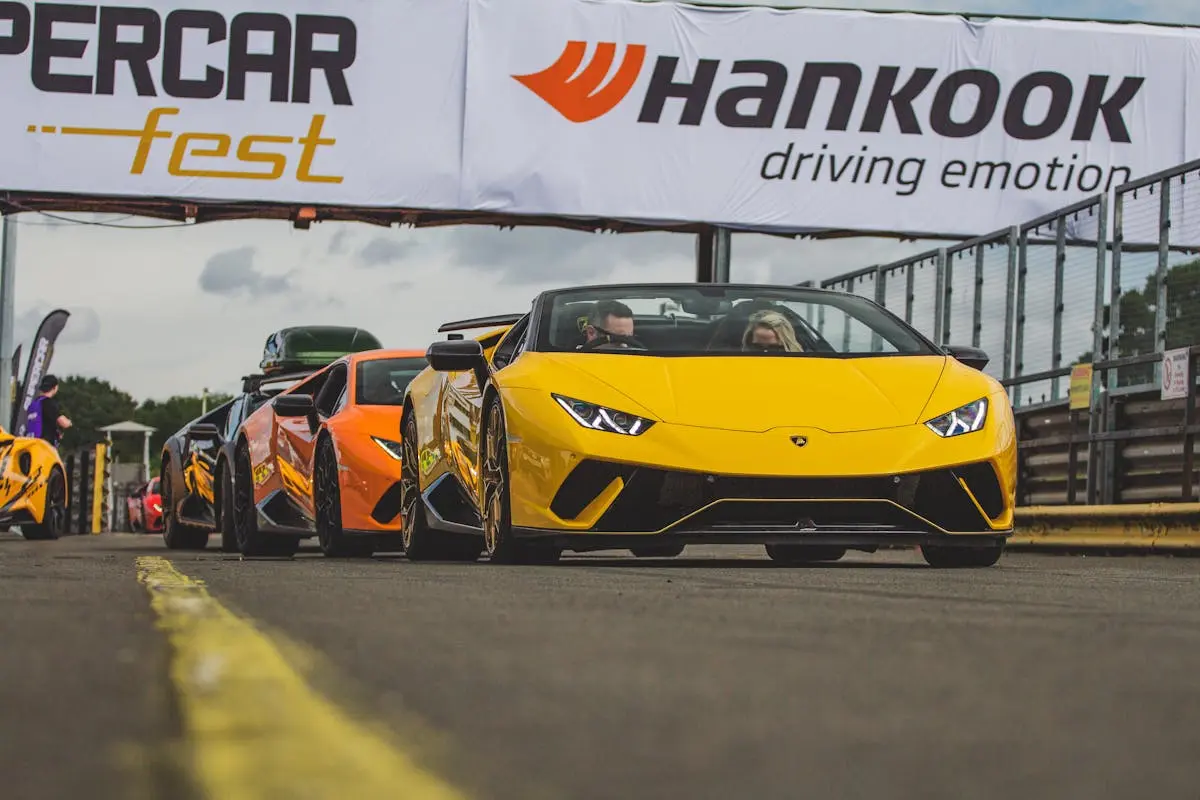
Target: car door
463	409
294	439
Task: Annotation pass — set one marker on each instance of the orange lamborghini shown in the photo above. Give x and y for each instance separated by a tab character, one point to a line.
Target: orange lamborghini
323	459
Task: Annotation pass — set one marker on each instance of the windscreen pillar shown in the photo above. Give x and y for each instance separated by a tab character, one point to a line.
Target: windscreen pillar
713	246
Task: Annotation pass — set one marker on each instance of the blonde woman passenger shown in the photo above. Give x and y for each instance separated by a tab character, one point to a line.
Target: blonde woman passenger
770	330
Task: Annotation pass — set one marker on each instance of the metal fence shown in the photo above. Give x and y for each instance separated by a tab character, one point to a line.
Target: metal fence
1058	290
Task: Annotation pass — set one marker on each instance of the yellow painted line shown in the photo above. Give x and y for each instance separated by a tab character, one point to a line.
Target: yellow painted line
255	728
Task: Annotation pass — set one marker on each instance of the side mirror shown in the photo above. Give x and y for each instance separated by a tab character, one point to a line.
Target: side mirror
294	405
455	355
201	432
971	356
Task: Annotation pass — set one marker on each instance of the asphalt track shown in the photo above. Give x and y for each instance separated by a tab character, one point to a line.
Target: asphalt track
127	671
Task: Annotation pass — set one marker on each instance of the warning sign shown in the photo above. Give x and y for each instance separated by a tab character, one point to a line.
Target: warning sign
1080	392
1175	374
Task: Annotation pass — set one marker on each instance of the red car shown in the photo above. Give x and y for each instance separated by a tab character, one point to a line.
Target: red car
145	508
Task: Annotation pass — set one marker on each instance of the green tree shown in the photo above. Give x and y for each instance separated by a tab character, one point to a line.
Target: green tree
91	403
1138	309
168	416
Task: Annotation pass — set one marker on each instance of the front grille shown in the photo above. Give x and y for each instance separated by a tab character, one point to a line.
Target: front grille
982	481
654	499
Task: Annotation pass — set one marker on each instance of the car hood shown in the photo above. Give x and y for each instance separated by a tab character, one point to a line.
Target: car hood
754	393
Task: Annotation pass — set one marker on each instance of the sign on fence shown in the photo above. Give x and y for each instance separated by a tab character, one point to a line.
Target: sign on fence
1080	391
1175	373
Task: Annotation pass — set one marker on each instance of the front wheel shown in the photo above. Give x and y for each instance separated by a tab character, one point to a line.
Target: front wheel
962	557
228	534
502	547
327	497
54	513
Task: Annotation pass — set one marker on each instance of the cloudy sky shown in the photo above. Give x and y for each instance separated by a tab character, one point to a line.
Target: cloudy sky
164	311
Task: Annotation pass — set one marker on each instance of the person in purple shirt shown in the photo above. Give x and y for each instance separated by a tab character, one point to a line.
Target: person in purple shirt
45	419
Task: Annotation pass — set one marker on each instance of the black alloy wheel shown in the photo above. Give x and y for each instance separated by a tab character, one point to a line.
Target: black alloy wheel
327	499
54	514
250	540
501	546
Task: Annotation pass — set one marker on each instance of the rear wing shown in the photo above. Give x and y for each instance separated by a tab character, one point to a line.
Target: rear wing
495	321
253	383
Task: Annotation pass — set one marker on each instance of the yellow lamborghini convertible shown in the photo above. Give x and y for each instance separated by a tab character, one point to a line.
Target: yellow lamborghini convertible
33	487
648	417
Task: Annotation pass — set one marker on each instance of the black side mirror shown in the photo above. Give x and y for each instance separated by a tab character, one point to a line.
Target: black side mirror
973	357
200	432
455	355
294	405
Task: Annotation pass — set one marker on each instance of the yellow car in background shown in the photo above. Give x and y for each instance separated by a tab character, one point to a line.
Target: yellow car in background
33	487
651	416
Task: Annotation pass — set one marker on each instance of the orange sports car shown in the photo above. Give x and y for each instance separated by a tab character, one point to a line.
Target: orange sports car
323	459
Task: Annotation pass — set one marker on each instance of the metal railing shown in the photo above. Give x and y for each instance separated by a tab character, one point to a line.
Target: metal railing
1145	446
1058	291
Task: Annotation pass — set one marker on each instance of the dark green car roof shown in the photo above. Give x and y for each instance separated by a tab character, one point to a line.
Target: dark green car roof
313	346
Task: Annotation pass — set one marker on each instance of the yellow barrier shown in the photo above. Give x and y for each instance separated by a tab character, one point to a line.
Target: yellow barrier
1166	527
98	483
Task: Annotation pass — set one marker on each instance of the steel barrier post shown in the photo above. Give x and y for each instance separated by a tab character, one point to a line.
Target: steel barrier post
1160	276
1189	419
1097	453
910	281
8	276
939	300
1010	301
1060	268
881	299
977	310
1019	322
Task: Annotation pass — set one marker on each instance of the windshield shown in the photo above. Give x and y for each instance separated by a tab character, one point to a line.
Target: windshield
382	381
686	319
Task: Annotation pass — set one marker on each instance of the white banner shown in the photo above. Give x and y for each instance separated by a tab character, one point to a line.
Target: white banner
759	118
355	102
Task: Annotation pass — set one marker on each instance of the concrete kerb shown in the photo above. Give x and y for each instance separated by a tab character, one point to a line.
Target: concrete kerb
1148	527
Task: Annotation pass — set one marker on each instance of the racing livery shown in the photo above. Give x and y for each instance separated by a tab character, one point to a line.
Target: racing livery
33	487
195	460
323	459
647	417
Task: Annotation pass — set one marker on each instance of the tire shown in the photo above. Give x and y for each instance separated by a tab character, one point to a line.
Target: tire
420	542
54	514
327	499
962	557
225	518
658	550
177	535
250	540
501	546
804	553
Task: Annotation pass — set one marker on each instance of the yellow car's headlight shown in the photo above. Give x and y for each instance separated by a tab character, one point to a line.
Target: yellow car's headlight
965	419
600	418
393	449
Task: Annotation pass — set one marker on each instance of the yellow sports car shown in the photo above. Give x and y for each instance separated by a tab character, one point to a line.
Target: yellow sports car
648	417
33	487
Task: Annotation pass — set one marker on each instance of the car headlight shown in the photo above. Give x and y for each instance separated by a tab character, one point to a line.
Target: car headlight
600	418
393	449
965	419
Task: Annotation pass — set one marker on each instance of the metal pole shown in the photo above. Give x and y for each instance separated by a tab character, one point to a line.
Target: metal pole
108	481
722	255
8	274
939	299
1160	276
1060	268
881	299
705	243
977	306
1019	344
947	294
1097	451
204	401
146	458
1010	297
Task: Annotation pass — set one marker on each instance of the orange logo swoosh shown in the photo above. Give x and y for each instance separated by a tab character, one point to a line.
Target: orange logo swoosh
582	99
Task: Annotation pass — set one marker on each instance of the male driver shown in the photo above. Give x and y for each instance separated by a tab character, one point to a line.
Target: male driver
609	318
45	419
